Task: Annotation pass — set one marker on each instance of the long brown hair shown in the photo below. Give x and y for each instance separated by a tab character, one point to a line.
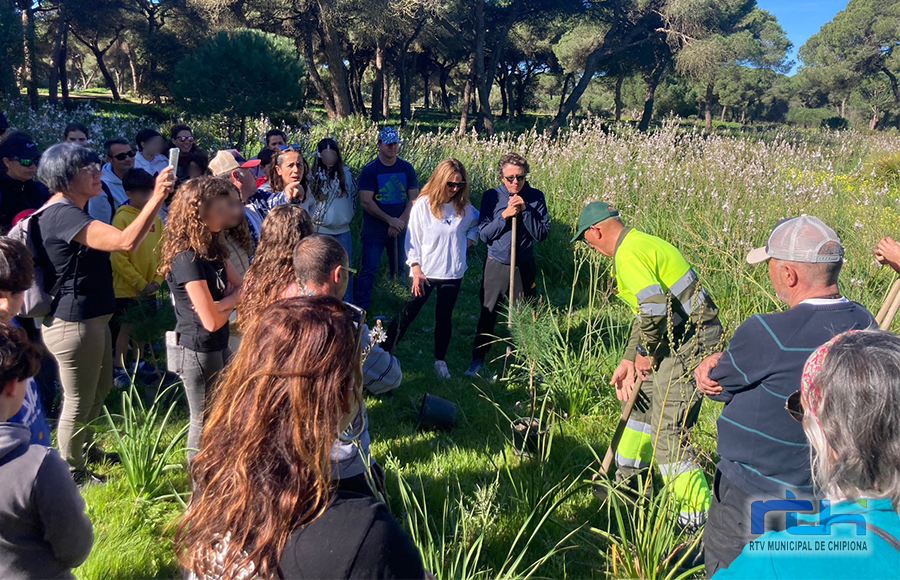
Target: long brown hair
275	181
437	192
272	269
185	229
263	469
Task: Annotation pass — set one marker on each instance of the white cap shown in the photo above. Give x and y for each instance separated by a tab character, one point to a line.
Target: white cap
800	239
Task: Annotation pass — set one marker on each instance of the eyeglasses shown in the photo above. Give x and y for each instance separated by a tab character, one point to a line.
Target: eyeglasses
122	156
26	162
93	168
456	184
348	269
187	139
511	178
794	407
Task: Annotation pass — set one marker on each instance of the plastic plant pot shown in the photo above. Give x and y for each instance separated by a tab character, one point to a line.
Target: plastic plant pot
436	414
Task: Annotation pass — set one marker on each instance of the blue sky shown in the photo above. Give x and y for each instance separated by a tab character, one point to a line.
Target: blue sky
802	18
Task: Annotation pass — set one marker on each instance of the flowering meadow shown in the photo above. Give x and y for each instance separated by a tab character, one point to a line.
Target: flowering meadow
474	506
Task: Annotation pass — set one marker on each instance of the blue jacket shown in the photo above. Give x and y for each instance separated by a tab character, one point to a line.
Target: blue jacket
496	231
845	551
762	449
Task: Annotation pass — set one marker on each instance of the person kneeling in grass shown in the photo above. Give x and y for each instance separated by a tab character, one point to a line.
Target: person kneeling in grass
264	505
44	532
135	274
16	274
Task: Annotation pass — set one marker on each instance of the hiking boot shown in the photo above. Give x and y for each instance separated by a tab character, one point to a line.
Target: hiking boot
87	478
440	369
93	454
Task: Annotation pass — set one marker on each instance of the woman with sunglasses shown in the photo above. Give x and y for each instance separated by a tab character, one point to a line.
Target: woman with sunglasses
18	189
443	225
264	504
77	330
183	138
849	406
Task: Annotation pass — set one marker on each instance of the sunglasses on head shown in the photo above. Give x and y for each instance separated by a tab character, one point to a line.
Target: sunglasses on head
794	407
183	139
291	147
456	184
122	156
511	178
26	162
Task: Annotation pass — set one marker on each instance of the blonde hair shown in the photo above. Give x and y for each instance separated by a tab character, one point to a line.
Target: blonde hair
437	192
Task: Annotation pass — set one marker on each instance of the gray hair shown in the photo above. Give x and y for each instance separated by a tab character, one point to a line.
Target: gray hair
823	273
61	162
856	443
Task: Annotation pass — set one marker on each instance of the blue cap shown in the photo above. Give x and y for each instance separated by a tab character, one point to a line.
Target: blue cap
19	147
388	135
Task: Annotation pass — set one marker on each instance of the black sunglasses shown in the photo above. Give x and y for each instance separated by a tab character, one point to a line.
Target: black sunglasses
122	156
794	407
456	184
511	178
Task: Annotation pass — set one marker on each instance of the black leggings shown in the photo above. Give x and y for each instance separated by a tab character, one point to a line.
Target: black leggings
447	292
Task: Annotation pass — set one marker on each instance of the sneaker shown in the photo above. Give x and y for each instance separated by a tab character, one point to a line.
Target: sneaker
478	368
121	380
87	478
145	368
440	369
93	454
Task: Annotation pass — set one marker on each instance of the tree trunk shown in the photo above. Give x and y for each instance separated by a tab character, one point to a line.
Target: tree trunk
562	97
892	78
358	65
378	83
618	97
30	59
55	63
445	95
306	50
337	72
521	87
404	86
708	107
101	66
724	111
243	135
425	78
386	97
63	69
485	119
844	108
467	96
504	97
132	64
652	81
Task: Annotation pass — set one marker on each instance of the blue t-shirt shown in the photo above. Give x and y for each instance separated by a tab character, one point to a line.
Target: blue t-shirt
391	186
31	414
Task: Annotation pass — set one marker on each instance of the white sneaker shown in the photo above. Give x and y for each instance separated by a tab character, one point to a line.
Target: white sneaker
440	369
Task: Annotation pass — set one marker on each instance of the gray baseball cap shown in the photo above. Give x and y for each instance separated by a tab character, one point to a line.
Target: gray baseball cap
800	239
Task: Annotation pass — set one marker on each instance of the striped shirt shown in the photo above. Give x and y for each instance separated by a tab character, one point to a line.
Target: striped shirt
762	449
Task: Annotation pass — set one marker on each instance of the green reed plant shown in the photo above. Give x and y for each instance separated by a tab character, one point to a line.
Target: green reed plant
148	441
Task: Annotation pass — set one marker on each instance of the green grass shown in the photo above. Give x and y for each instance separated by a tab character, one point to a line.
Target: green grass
714	197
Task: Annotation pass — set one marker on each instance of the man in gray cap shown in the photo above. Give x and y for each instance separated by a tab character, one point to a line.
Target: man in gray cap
764	452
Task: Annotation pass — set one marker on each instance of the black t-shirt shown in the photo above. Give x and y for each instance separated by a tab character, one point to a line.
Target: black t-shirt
17	196
187	267
88	293
356	537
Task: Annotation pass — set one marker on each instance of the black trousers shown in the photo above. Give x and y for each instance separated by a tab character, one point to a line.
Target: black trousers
728	523
494	287
447	293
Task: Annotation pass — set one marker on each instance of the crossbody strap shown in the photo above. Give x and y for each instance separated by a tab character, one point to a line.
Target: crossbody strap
884	535
37	239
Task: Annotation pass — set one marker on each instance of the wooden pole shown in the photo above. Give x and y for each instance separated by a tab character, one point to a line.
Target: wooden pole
620	428
891	313
888	301
512	289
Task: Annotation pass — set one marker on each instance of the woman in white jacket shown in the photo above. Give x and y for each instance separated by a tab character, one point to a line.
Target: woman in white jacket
442	227
334	196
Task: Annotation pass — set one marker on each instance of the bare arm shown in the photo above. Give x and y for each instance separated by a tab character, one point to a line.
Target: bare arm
213	315
106	238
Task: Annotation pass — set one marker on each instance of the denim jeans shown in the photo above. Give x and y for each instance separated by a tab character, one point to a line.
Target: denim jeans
198	371
346	240
372	249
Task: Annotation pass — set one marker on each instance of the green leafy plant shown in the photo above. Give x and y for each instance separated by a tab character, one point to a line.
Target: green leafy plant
144	439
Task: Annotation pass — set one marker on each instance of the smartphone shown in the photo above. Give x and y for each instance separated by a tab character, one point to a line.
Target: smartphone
174	153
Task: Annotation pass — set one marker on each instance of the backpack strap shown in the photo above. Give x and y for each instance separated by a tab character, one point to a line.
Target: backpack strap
37	239
884	535
110	199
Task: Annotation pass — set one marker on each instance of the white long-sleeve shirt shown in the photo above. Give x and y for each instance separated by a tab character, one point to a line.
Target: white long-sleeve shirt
439	246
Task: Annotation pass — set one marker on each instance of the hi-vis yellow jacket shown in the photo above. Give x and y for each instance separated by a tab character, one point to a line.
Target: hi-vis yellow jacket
659	285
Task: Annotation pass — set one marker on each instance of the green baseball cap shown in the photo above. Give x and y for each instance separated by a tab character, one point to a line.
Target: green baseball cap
593	213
